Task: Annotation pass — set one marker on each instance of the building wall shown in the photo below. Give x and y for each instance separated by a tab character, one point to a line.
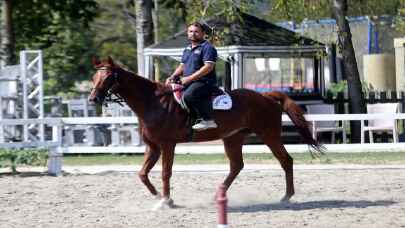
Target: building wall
369	35
379	71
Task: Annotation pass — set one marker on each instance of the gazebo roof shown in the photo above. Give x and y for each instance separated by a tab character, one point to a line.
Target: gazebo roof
247	30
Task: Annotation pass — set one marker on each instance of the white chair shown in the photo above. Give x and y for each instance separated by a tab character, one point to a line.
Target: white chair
326	126
379	125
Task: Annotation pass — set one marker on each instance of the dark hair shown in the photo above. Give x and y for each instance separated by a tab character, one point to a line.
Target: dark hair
202	26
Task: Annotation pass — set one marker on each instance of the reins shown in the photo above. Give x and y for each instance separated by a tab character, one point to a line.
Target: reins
118	99
108	97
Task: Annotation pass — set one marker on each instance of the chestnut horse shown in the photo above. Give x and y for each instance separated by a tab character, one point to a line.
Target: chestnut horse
163	123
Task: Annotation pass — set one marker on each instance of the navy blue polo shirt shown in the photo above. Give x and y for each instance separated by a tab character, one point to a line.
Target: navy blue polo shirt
194	58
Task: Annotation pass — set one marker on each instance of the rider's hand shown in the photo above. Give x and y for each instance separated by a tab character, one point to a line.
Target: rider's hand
169	80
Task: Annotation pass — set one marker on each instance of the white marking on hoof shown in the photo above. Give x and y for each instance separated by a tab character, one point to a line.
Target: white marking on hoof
164	203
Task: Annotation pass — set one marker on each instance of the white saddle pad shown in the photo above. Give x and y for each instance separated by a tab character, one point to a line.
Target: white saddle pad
222	102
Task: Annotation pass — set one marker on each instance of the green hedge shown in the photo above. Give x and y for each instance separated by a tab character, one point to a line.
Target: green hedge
14	157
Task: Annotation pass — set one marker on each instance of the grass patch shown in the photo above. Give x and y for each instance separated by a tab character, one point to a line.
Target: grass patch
12	158
262	158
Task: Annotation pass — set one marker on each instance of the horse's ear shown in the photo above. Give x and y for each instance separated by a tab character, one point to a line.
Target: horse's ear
96	61
110	61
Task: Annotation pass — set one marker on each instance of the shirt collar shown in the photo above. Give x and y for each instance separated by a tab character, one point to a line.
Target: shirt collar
198	45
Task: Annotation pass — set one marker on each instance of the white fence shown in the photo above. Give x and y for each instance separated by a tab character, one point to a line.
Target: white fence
57	148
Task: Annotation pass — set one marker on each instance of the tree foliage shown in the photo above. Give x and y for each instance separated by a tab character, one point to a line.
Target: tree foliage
7	46
298	10
38	22
202	10
70	32
61	29
400	22
115	32
172	17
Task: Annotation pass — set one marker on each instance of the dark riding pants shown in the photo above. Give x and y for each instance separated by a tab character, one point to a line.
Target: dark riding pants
197	97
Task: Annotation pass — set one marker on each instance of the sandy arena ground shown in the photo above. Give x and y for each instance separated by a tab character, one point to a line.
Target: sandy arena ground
324	198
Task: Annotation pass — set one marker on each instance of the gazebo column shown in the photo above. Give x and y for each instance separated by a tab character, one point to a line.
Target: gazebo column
229	61
332	63
237	71
322	76
228	74
316	74
148	67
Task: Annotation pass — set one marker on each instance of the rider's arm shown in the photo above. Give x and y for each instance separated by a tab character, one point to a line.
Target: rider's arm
180	69
207	68
178	72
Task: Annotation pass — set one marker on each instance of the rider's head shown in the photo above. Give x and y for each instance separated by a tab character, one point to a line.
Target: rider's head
195	32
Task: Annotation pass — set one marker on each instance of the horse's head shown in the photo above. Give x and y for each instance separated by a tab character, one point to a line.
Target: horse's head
103	80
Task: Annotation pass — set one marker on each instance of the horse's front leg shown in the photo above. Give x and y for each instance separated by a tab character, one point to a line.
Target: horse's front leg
152	155
167	165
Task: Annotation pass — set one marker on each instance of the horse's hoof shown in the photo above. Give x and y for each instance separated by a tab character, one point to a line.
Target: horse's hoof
164	203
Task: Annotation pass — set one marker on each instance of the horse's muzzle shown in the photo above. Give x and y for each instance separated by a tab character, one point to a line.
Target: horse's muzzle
98	99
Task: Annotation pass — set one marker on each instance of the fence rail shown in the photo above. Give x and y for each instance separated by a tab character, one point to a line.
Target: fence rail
57	148
341	99
59	124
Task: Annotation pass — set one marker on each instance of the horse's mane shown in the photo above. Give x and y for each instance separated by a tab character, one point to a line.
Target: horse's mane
163	92
124	69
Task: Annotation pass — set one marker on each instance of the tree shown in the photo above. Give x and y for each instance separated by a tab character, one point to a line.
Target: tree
202	10
61	29
144	29
114	29
400	22
172	17
373	7
180	7
298	10
7	55
357	103
68	61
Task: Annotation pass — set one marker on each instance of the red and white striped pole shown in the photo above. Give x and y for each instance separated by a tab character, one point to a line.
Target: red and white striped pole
222	207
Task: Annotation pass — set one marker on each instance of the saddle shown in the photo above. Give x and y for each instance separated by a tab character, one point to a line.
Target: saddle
220	99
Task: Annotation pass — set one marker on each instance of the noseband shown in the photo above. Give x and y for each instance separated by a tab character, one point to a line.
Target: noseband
108	94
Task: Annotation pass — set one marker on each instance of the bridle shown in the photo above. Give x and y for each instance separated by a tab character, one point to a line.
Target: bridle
113	81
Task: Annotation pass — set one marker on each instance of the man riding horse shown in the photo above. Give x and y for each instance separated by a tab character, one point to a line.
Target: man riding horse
163	122
199	79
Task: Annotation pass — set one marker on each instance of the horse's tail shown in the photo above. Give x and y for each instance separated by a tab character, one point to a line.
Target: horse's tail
296	115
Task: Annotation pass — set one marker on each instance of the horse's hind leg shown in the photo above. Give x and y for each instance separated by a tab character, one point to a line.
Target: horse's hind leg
151	156
233	149
273	141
